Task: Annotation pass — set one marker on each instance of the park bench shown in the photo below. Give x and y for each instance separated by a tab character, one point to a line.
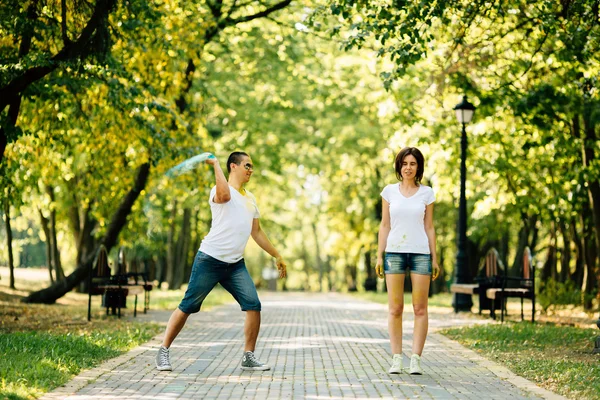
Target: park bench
522	287
134	277
113	288
487	278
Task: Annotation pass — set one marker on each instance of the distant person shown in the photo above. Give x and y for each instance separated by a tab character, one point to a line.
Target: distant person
235	218
407	236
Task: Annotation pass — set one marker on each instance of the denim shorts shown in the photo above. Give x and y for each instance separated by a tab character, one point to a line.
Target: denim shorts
207	272
398	263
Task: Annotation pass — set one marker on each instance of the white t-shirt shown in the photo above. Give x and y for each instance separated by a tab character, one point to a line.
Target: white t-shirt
231	226
407	219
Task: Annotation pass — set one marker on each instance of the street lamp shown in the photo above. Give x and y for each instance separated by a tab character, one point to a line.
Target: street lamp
462	302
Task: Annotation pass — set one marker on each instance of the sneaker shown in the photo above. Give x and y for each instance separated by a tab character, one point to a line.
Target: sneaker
396	367
162	360
415	365
251	363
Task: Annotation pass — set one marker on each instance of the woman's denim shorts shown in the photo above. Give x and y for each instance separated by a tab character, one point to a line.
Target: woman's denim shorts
399	263
207	272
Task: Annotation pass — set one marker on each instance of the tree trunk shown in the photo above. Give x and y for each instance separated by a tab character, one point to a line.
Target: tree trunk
565	259
577	275
590	254
534	229
11	260
161	269
183	244
195	239
50	294
318	260
517	264
351	272
44	222
306	260
328	278
590	143
549	269
171	256
504	248
86	242
54	252
371	279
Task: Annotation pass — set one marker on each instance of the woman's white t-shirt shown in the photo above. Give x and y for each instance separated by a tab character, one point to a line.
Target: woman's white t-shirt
231	226
407	219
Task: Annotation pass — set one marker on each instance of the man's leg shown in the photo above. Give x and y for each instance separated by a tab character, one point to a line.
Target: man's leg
251	329
174	326
203	279
239	283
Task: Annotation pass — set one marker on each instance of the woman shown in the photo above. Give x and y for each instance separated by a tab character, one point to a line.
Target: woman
407	236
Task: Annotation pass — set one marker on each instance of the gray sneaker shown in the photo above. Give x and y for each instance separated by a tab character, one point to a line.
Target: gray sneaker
162	360
250	363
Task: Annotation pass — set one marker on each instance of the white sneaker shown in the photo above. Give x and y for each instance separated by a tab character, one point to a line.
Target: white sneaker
396	367
415	365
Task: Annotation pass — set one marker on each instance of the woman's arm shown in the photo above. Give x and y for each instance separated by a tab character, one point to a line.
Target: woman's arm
384	232
430	232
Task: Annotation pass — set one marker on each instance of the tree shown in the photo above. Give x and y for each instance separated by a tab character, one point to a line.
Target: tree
514	58
33	60
81	170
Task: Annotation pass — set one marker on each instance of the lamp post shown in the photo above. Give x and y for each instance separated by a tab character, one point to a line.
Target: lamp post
463	302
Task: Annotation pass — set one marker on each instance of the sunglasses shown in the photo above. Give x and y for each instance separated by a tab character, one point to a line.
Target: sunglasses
249	167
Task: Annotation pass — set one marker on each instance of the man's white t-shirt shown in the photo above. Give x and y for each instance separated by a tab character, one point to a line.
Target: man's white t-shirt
231	226
407	219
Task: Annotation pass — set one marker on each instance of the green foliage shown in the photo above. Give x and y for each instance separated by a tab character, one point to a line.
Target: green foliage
36	362
556	294
555	357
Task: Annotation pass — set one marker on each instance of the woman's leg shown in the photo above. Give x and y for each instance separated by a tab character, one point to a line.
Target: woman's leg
395	289
420	294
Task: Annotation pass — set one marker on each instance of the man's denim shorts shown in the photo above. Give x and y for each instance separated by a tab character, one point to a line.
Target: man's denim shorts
207	272
398	263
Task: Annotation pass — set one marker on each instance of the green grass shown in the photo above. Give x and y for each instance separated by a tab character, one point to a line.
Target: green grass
555	357
44	346
438	300
35	362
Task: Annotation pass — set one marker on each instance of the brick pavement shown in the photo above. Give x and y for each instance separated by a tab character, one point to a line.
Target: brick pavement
320	346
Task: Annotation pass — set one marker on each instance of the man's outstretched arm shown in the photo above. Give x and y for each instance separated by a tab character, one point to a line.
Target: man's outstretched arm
261	239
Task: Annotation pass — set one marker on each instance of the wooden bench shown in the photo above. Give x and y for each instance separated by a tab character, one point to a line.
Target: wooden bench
522	287
491	270
134	277
113	288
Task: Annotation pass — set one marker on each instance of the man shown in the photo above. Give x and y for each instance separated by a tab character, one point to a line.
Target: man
220	258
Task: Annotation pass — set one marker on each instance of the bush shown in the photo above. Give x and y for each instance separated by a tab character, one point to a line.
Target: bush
557	294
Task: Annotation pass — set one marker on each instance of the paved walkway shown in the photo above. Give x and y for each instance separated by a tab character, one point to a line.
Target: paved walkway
320	346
